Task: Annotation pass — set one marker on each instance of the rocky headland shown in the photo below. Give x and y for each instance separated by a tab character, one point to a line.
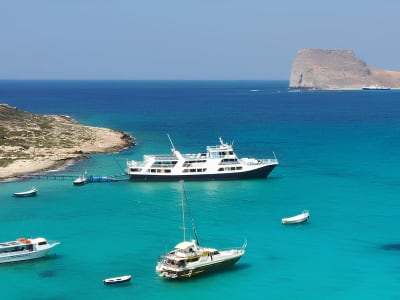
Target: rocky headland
33	142
324	69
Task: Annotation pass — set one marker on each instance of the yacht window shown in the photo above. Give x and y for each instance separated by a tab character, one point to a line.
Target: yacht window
193	259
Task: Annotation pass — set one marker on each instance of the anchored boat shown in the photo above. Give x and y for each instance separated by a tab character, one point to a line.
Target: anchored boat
189	258
217	163
25	249
32	192
300	218
116	280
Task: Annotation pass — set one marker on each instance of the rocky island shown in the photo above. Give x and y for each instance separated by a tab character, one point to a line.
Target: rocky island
34	142
325	69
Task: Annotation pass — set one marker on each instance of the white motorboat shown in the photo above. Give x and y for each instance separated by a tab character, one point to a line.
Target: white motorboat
32	192
217	163
25	249
189	258
300	218
81	180
116	280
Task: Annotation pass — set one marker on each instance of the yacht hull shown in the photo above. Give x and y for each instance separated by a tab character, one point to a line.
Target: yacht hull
23	256
261	172
188	273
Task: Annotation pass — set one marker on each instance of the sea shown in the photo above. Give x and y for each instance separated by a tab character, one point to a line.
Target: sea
338	155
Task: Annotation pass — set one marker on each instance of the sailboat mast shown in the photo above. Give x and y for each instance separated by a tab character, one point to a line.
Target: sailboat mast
190	214
183	212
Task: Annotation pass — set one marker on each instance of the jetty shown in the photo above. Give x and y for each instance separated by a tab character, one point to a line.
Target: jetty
88	179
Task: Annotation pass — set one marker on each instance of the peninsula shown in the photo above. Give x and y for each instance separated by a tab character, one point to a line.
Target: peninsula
325	69
33	142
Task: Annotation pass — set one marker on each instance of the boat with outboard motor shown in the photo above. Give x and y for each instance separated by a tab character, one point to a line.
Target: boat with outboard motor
25	249
189	258
218	163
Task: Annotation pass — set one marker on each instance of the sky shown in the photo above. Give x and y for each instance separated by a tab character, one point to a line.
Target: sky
187	39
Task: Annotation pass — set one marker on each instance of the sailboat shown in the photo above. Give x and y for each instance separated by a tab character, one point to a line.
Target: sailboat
188	258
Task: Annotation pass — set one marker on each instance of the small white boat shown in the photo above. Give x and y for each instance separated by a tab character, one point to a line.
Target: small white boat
376	87
116	280
81	180
32	192
303	217
25	249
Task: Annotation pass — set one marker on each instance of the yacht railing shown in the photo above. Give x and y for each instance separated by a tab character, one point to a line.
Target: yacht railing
269	161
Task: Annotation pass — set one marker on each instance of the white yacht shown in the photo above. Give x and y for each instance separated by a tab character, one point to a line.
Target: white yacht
376	87
189	258
25	249
217	163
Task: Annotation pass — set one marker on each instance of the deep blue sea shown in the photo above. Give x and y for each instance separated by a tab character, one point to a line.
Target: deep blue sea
339	158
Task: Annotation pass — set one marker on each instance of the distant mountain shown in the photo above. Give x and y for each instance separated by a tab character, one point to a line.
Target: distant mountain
325	69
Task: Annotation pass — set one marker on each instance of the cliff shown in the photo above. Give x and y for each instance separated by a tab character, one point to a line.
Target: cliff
337	70
34	142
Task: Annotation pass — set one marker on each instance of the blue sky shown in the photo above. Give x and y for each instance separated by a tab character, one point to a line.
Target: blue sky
184	39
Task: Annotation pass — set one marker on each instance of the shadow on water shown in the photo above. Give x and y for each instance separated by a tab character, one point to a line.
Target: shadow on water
47	274
391	247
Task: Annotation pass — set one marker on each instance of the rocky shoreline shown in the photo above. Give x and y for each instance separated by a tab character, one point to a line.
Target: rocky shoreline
31	143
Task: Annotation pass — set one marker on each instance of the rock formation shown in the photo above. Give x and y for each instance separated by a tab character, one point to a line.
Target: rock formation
325	69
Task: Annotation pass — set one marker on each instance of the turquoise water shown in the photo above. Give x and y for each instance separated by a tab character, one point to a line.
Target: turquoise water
338	155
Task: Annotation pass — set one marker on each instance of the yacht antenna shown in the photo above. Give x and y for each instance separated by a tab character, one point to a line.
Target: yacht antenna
172	144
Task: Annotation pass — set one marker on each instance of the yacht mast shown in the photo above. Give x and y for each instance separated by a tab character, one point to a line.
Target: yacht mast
183	211
190	214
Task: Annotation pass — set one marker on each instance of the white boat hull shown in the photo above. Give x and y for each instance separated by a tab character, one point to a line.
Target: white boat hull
29	193
217	163
23	255
117	280
303	217
25	249
223	260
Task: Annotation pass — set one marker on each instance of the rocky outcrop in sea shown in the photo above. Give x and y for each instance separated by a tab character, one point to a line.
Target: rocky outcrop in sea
325	69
